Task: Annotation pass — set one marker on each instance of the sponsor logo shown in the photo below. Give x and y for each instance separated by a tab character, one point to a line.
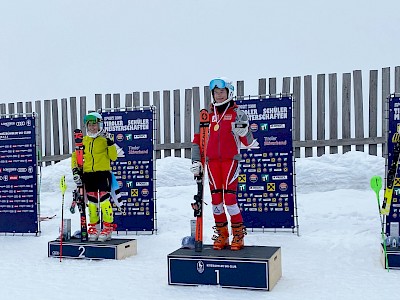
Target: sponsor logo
279	177
142	183
256	188
253	127
140	136
253	178
277	126
200	267
145	192
264	126
283	186
120	137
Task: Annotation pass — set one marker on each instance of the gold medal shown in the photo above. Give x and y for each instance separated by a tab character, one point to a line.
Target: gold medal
216	127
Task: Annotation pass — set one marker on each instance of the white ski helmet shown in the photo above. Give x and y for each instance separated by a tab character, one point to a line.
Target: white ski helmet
222	82
93	117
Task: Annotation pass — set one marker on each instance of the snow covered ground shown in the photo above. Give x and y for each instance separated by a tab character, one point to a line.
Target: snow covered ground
336	255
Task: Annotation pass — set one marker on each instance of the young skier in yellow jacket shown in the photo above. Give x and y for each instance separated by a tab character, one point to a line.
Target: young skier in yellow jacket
99	151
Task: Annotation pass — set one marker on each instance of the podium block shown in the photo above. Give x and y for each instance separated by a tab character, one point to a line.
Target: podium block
254	267
393	255
74	248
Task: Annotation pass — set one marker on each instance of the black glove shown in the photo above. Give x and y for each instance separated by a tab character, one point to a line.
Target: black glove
108	136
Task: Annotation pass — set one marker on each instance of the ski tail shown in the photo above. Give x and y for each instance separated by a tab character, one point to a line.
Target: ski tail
204	127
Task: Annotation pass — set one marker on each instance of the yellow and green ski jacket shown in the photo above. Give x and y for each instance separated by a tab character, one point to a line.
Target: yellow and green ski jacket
96	155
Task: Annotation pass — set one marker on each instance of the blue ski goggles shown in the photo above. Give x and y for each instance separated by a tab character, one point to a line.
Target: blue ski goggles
219	83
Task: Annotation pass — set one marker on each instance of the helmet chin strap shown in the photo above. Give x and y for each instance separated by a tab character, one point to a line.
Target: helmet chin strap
221	103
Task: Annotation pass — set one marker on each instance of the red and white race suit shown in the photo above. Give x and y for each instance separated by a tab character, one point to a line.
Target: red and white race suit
222	160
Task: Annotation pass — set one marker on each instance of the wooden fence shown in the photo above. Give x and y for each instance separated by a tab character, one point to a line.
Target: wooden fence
326	119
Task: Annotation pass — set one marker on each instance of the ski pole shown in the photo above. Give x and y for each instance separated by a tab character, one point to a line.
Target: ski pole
376	185
63	187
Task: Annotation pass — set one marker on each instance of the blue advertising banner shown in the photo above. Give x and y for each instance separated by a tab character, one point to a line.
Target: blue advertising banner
134	168
393	219
18	176
265	190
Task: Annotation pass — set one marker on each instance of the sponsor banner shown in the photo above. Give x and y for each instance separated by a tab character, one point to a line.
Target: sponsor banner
134	169
18	176
265	190
394	128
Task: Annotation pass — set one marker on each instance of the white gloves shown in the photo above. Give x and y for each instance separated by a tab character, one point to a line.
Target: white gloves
196	168
240	128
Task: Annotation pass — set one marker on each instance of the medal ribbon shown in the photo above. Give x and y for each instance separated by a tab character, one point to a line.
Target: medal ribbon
216	126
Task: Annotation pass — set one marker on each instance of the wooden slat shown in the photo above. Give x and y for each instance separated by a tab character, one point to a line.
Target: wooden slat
3	109
308	112
128	102
83	112
346	98
177	121
146	99
53	158
358	107
28	107
98	102
296	112
286	85
385	95
373	109
188	121
397	79
341	142
240	89
11	109
320	112
47	128
333	111
56	126
20	108
64	126
38	113
116	102
262	86
207	97
74	116
272	86
167	120
107	103
196	106
156	102
136	99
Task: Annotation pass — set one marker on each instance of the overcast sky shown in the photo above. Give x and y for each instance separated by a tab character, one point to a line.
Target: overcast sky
55	49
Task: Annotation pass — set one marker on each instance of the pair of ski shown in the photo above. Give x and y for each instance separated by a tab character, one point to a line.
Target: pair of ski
376	185
79	193
199	197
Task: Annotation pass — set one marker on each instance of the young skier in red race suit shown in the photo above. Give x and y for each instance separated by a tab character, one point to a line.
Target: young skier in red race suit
229	128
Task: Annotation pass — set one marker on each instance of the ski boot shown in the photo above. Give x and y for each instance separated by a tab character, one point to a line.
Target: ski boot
93	232
238	232
105	234
221	238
